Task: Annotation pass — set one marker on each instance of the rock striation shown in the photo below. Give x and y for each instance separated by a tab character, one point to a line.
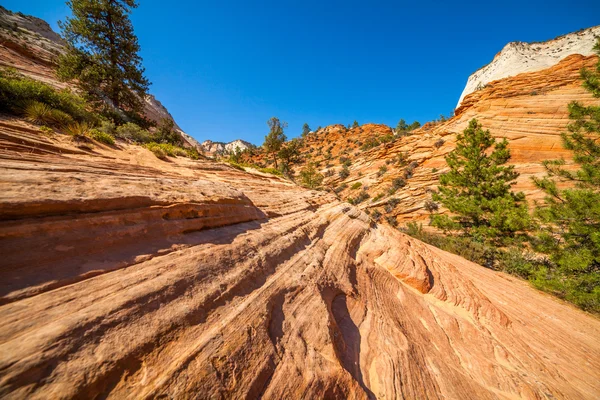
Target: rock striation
124	276
519	57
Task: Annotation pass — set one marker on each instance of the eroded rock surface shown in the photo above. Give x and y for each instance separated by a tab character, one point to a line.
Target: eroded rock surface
124	276
518	57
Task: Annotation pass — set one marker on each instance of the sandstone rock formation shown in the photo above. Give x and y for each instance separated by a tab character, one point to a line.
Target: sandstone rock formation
214	148
124	276
518	57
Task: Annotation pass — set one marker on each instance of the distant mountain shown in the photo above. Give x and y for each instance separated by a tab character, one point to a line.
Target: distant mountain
212	148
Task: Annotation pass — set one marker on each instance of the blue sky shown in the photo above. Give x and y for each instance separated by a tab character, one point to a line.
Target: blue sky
223	68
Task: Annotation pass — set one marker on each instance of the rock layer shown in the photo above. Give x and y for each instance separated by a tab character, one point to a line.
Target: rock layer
518	57
124	276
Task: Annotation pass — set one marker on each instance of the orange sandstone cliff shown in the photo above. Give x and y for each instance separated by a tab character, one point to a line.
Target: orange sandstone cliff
124	276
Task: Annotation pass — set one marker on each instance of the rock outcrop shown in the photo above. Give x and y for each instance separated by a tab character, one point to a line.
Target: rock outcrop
124	276
213	148
518	57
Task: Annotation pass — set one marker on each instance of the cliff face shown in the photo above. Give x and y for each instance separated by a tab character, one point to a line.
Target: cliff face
29	45
519	57
124	276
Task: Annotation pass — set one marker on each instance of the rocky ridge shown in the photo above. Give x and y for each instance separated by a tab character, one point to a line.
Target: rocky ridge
214	148
518	57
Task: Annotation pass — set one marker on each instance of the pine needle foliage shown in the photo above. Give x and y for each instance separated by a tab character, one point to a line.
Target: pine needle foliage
570	217
477	190
102	54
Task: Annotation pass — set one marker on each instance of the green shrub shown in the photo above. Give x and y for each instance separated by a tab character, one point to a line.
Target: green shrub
382	171
310	177
235	165
167	148
46	130
38	113
356	185
397	184
378	197
79	130
392	220
340	188
134	132
102	137
108	127
192	153
386	138
362	196
272	171
391	204
61	118
370	143
376	214
16	91
344	172
158	151
460	245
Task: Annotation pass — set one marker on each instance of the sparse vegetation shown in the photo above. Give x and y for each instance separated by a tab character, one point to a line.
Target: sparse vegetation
362	196
102	137
403	129
17	92
397	183
310	177
344	172
356	185
131	131
79	130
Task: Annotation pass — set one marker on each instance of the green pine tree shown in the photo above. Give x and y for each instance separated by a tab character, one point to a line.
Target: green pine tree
402	126
275	139
477	190
288	154
570	217
102	54
305	130
310	177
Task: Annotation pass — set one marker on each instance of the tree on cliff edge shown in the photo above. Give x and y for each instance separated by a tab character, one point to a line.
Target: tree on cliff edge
570	217
275	139
102	54
477	190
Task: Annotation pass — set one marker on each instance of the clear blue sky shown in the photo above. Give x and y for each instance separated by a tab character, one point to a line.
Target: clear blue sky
223	68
